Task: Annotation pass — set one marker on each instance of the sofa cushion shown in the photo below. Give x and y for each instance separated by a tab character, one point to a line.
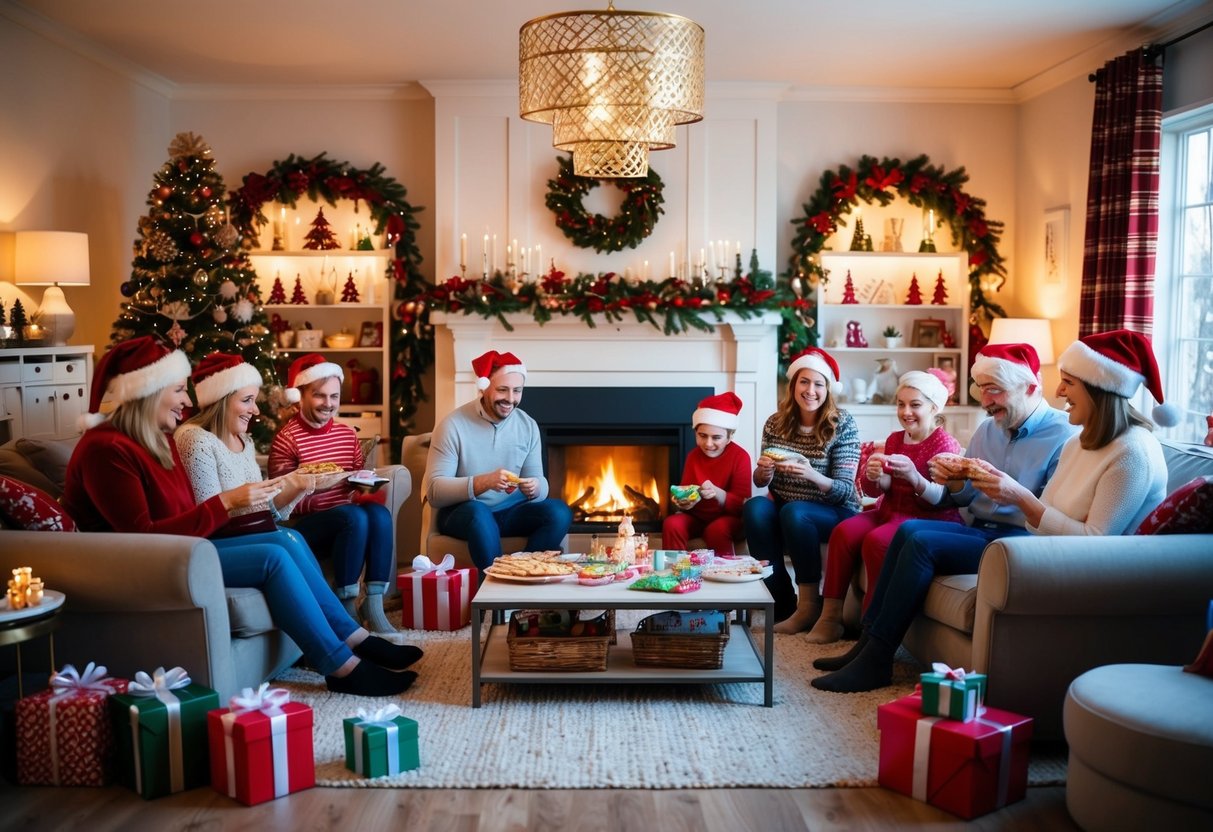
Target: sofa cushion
14	464
248	612
50	456
1189	510
952	600
24	507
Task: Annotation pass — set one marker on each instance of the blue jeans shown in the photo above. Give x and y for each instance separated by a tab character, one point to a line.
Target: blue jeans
282	566
356	535
798	527
920	550
545	523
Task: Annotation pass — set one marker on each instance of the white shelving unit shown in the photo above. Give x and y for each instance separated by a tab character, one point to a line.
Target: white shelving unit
43	390
882	281
371	414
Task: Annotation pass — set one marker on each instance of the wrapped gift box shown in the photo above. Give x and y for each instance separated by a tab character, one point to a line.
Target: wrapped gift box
436	597
381	743
261	746
64	735
955	694
160	728
966	768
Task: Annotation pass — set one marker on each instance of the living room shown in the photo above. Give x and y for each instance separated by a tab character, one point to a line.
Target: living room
93	98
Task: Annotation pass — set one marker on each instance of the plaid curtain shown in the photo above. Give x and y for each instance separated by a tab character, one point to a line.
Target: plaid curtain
1122	197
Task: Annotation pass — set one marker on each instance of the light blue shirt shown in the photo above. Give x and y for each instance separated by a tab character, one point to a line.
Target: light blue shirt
1029	454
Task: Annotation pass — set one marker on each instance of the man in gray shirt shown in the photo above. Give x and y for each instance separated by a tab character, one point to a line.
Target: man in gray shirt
484	474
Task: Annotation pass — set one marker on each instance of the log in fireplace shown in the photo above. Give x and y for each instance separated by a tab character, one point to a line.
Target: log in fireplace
614	451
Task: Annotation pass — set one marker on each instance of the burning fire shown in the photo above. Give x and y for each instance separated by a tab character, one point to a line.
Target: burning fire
599	486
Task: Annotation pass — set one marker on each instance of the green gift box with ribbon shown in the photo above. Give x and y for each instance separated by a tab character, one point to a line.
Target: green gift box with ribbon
381	743
954	694
161	733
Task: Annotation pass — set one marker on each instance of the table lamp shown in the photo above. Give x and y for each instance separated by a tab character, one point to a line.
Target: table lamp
1034	331
53	259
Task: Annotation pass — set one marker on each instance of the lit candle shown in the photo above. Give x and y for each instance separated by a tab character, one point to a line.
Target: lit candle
493	259
739	248
931	222
673	265
538	259
463	251
517	250
699	265
484	257
644	275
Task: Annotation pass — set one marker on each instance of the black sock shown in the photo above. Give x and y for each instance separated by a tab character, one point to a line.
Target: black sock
387	654
369	679
871	669
839	662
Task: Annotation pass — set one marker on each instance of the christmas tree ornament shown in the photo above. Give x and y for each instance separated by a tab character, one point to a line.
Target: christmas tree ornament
127	288
197	239
914	296
206	191
297	296
349	292
161	247
940	298
227	236
201	278
858	238
278	291
228	289
219	314
848	290
177	310
176	334
242	311
188	145
321	236
164	192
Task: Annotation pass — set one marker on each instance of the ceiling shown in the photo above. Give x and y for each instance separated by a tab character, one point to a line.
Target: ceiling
960	44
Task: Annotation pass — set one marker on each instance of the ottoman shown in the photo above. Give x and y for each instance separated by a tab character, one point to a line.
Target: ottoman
1141	748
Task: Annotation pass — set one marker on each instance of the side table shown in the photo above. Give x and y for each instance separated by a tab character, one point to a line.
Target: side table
19	630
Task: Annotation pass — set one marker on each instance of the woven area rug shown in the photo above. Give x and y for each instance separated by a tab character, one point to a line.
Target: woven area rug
616	736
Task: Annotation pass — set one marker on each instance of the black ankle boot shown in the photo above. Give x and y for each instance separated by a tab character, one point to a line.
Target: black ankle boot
839	662
871	669
387	654
369	679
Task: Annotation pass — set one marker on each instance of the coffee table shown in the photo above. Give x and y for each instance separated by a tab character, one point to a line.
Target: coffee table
744	660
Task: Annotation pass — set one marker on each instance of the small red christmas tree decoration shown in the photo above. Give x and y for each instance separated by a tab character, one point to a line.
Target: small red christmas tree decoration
914	296
848	290
349	292
321	237
941	291
297	297
278	292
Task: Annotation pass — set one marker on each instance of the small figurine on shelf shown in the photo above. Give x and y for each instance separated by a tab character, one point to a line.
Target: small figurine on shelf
892	337
365	243
947	339
946	373
297	296
884	381
17	320
321	236
349	292
941	291
364	383
858	239
855	336
848	290
278	291
326	294
914	296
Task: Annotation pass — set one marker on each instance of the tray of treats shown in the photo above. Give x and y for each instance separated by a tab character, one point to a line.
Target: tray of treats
324	474
531	568
738	571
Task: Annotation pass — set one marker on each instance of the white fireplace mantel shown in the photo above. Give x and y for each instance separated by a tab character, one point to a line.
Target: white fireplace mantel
740	354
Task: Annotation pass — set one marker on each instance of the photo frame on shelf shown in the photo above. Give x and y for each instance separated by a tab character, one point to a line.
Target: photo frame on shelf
928	332
1056	244
945	362
371	334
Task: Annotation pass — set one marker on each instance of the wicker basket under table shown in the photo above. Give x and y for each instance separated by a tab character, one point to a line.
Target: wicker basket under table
700	651
560	653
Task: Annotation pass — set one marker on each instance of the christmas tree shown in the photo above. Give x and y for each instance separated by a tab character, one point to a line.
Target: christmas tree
278	292
914	296
297	296
858	240
940	297
17	320
848	290
191	283
349	292
321	237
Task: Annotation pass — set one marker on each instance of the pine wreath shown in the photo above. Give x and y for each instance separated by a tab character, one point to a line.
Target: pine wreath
627	229
927	186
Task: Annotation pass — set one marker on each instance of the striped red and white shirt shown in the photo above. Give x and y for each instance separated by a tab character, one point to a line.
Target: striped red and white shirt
298	443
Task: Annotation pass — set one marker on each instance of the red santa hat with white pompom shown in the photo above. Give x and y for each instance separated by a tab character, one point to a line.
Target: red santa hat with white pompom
309	368
221	373
1119	361
820	361
719	411
492	362
133	369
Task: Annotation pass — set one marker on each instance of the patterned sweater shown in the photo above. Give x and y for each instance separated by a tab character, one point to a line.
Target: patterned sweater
837	460
897	497
297	443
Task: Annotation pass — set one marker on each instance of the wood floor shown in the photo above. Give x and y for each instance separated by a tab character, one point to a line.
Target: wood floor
366	810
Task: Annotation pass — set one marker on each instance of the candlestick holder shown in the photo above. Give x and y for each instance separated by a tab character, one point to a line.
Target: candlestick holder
278	246
927	245
463	271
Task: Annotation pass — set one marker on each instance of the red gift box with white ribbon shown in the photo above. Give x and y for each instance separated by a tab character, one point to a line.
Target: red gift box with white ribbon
436	597
966	768
64	735
261	746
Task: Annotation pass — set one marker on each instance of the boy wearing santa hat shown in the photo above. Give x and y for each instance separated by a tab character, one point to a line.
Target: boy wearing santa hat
484	473
721	471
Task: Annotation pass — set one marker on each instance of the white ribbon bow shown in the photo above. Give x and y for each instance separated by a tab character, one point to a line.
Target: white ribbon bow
422	563
379	716
161	685
382	717
160	681
70	680
957	674
265	699
268	701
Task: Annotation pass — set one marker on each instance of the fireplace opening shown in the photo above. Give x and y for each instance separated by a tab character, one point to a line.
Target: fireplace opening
602	483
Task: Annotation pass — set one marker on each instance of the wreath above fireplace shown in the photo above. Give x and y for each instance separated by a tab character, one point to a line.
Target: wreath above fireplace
627	229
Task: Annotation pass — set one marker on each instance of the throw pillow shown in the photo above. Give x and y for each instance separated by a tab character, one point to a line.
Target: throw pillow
50	456
1188	510
25	507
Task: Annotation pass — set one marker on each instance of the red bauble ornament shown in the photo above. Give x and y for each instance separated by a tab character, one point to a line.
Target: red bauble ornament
196	239
164	192
206	191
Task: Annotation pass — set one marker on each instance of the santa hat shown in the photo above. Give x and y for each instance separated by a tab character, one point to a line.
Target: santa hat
492	362
131	370
720	410
928	384
221	373
308	368
812	358
1008	363
1119	361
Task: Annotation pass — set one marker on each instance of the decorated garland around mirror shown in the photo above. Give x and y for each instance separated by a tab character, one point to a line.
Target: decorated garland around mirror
927	186
320	178
637	215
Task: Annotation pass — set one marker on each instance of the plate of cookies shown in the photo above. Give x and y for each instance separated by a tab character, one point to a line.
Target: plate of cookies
531	568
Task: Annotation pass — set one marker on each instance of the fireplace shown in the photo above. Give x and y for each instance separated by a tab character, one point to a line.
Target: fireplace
607	451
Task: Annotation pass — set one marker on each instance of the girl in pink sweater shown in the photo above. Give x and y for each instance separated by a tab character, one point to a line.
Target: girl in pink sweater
899	477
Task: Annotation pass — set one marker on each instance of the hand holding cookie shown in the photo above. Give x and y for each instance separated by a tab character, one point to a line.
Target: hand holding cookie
945	467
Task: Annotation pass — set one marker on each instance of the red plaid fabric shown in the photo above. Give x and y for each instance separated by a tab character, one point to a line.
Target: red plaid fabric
1122	197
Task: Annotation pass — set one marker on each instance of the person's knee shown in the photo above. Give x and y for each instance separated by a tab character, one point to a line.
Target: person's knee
558	513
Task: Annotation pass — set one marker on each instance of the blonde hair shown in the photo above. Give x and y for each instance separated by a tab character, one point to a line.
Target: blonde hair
213	417
137	419
787	416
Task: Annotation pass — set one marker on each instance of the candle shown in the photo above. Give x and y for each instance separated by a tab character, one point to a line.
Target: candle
645	274
463	251
673	265
538	259
931	222
484	257
699	265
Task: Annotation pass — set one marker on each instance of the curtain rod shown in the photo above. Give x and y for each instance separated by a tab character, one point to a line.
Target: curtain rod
1155	49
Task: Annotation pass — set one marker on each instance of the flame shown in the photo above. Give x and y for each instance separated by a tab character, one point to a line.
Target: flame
600	472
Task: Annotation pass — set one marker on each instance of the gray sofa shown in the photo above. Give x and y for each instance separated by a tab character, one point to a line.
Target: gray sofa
136	602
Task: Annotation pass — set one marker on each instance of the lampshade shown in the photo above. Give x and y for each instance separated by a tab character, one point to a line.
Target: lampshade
612	84
52	258
1034	331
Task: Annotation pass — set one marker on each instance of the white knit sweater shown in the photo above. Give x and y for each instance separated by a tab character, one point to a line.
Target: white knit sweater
214	468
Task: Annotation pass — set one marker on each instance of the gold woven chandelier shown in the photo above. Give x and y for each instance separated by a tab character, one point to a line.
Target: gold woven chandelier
612	84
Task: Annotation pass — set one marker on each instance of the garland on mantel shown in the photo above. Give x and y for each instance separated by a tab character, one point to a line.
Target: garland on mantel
412	342
927	186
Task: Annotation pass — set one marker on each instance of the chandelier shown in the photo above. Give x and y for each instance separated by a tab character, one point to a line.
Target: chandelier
612	84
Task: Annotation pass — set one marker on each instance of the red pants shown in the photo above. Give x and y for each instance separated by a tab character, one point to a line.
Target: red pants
865	536
719	534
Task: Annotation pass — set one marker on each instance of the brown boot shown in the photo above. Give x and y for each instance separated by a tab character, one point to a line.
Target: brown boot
808	607
828	628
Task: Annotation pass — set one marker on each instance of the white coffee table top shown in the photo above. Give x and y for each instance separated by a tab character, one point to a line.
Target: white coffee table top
500	594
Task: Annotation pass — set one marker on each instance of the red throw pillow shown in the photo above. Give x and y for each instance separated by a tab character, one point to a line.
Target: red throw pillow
25	507
1189	510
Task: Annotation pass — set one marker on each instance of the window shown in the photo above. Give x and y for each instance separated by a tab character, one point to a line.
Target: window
1183	312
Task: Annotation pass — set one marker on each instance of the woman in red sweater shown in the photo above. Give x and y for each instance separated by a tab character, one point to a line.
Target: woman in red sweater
125	475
